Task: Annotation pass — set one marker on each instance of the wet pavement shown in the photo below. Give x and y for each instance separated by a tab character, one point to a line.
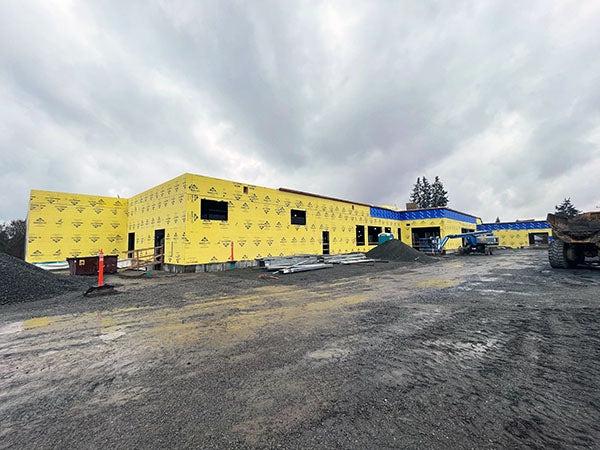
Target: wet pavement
470	352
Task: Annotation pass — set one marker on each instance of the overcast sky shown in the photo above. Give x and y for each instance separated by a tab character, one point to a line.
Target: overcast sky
500	99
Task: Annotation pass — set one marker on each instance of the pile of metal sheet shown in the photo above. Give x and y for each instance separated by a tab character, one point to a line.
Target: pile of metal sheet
349	258
304	263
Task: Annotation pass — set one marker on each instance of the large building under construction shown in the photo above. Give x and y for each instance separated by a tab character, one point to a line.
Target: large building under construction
201	220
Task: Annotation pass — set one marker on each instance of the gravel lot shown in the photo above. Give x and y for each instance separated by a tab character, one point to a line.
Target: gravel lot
468	352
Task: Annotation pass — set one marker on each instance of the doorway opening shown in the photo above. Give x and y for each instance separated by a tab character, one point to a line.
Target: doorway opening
130	244
536	239
159	248
326	242
422	238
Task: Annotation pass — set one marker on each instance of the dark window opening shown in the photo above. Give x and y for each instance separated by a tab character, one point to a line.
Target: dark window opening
388	230
213	210
538	238
399	237
298	217
360	235
373	235
245	189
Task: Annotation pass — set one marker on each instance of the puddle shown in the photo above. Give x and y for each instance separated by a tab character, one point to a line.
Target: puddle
10	328
112	336
438	283
37	322
328	353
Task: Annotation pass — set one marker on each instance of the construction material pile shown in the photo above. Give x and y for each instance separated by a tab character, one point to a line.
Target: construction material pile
305	263
394	250
23	282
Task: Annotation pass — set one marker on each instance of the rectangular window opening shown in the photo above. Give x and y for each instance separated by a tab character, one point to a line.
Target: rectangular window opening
298	217
373	235
360	235
213	210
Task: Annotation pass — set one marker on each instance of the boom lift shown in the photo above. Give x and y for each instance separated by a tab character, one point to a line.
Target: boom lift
474	242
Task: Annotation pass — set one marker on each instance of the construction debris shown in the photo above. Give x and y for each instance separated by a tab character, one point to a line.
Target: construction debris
305	268
304	263
23	282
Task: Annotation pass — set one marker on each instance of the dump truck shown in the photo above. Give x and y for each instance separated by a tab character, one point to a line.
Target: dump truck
575	239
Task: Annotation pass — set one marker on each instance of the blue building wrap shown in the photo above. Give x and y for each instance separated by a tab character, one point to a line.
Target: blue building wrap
417	214
534	225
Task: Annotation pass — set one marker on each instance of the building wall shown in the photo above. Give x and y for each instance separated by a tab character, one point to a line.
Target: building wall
448	220
516	234
161	207
259	223
62	225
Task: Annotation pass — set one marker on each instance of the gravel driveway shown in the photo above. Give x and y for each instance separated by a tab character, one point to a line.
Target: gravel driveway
474	352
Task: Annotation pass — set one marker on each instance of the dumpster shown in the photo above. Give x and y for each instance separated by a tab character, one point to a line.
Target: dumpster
88	265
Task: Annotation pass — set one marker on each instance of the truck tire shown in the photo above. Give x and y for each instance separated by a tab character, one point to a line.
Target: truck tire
557	254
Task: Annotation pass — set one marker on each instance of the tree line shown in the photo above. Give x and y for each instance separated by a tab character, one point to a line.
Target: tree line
429	195
12	238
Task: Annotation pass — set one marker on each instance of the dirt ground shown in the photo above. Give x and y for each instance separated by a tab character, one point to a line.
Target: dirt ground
470	352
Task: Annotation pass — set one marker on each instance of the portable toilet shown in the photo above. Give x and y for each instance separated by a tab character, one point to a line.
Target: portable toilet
384	237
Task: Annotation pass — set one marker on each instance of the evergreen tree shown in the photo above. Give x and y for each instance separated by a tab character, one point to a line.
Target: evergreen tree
566	209
416	196
497	219
426	194
439	196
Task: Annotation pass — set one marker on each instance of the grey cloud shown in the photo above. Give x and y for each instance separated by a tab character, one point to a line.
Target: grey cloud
348	99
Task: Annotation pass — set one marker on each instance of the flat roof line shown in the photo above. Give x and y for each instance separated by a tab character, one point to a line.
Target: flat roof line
325	197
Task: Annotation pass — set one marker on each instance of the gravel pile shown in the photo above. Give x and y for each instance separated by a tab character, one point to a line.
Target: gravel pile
23	282
394	250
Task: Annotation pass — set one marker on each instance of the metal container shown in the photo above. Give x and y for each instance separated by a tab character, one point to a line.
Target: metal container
88	265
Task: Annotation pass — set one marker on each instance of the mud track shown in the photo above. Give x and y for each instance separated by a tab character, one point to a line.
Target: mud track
470	352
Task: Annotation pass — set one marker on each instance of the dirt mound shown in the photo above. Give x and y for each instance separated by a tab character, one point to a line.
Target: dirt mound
22	282
394	250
